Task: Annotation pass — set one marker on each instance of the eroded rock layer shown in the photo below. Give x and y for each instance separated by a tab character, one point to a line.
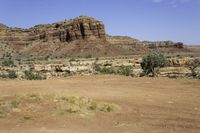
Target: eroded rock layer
66	31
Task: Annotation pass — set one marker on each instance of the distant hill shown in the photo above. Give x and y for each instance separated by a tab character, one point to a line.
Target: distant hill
82	36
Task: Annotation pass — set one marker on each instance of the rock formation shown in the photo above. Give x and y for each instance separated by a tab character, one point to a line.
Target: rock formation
124	40
81	36
121	40
163	44
66	31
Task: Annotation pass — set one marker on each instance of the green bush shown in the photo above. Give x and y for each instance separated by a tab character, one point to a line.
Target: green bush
125	70
122	70
72	59
8	62
12	74
104	70
152	61
29	75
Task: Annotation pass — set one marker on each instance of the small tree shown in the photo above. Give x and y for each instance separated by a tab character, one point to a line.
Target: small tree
152	61
192	65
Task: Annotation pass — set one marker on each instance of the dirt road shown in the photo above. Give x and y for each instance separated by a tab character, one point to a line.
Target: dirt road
147	105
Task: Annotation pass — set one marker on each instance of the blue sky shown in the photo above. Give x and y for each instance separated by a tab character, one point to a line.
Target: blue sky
177	20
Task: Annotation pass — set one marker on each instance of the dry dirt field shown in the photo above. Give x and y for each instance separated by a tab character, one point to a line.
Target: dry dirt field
147	105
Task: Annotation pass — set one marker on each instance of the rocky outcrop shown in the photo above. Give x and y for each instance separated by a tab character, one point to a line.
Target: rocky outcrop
141	47
162	44
79	28
124	40
176	68
121	40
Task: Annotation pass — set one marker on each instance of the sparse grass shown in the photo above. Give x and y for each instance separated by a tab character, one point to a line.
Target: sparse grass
73	109
107	108
81	104
30	103
93	105
14	103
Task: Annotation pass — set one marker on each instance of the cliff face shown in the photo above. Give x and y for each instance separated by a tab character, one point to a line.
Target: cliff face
67	31
84	28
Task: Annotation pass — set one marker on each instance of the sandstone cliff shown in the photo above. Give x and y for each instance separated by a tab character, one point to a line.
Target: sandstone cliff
81	36
67	38
79	28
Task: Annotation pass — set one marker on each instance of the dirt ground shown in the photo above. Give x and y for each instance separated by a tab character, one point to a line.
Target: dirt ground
147	105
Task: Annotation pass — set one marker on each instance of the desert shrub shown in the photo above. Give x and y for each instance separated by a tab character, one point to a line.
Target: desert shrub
122	70
152	61
12	74
104	70
125	70
8	62
72	59
107	108
93	105
97	68
14	103
29	75
67	74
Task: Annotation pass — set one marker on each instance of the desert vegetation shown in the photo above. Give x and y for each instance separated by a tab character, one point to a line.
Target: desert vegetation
152	62
8	62
29	75
25	105
122	70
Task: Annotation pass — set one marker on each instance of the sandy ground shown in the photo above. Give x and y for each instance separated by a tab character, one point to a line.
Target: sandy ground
147	105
